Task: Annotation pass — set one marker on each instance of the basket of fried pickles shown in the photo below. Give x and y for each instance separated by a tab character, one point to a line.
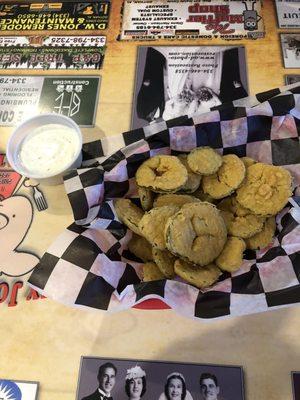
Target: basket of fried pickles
199	213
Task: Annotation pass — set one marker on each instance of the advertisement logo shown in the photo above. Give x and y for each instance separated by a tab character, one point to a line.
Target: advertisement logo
9	391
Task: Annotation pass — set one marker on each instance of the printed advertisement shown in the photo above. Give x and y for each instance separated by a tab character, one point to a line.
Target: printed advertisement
18	390
288	13
22	97
67	16
162	380
290	45
176	19
172	81
53	52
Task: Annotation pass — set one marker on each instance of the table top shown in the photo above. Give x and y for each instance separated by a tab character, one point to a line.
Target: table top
43	341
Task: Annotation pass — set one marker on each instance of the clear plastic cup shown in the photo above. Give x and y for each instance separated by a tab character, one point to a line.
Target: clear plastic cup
22	131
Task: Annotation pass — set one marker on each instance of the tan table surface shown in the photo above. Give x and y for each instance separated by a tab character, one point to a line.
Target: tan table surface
43	341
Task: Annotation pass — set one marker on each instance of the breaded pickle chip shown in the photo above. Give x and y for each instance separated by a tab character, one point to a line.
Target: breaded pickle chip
140	247
173	199
146	197
228	178
231	257
240	221
162	173
193	181
165	262
151	272
248	161
266	189
204	160
152	225
199	194
263	238
129	214
200	277
182	233
196	233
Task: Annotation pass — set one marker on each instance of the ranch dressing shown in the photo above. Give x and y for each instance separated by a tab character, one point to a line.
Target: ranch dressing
48	150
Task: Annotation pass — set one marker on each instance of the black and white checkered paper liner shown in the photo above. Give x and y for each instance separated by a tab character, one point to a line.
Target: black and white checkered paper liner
89	265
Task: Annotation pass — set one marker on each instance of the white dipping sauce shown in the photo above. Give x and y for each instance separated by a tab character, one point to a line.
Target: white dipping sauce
49	150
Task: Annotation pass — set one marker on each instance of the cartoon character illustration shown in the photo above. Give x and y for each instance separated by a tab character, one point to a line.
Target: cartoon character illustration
86	8
11	181
9	390
16	214
38	196
88	11
251	18
7	9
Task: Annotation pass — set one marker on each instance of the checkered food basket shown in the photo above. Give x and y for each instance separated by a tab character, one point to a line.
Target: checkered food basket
89	264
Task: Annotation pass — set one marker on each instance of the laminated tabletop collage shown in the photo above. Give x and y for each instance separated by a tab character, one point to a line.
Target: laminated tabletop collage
97	301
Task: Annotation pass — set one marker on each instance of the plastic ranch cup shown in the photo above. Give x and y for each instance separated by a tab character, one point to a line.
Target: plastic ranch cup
45	147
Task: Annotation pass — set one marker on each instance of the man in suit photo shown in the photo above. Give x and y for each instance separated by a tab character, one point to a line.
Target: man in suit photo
107	379
209	387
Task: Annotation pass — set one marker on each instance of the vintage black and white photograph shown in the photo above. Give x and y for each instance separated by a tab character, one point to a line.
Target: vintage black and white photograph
296	385
291	79
288	13
290	44
173	81
117	379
